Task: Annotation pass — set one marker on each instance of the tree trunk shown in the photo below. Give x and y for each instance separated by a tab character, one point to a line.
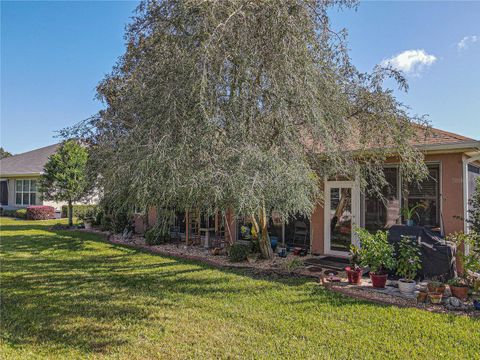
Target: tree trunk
70	213
262	232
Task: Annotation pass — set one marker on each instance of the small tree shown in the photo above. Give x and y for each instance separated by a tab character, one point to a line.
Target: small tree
4	153
64	177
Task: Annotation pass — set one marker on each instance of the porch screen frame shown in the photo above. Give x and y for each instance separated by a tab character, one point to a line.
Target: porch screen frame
356	215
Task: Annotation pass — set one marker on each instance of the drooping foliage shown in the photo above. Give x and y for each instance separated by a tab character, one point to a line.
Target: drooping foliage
242	104
474	211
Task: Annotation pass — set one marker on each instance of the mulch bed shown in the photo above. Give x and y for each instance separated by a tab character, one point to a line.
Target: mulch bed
277	267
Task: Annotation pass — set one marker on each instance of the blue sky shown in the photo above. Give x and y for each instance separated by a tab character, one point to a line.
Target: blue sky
54	53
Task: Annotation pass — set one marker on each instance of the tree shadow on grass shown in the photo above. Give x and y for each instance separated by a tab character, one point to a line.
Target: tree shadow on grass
70	293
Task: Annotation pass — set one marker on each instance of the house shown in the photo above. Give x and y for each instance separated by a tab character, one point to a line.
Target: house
19	176
453	163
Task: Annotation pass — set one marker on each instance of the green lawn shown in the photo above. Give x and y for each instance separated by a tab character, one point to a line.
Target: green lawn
71	295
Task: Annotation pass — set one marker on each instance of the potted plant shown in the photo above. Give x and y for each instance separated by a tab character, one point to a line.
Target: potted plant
408	213
470	263
435	298
354	271
458	288
436	286
421	296
376	253
408	263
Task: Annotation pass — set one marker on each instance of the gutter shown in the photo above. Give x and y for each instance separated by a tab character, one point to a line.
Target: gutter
20	175
454	147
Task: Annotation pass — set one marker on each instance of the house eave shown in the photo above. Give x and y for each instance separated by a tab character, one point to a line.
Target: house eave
463	147
17	175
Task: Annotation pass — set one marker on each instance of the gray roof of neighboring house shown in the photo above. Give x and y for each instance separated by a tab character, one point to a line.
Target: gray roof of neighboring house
31	162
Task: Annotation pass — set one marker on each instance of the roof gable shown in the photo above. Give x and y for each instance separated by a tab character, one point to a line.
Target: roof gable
31	162
433	136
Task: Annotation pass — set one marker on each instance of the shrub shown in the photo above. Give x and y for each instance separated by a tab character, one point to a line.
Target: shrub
106	222
78	210
238	252
408	262
9	213
21	213
156	236
90	215
293	264
99	217
375	250
120	220
40	212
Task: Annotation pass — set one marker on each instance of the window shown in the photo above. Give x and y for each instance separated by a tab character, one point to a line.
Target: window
26	192
3	192
297	231
426	193
382	214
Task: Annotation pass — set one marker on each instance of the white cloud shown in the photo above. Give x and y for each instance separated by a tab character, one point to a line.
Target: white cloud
411	61
466	41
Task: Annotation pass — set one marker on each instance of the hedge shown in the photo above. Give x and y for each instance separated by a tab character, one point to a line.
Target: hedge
9	213
40	212
21	213
78	210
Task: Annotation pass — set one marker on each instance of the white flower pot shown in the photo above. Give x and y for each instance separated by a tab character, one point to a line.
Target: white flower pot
406	287
88	225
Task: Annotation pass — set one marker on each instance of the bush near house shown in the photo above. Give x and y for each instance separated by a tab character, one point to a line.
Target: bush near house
78	210
238	252
21	213
40	212
9	213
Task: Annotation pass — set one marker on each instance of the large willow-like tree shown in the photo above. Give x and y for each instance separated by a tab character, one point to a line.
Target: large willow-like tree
242	104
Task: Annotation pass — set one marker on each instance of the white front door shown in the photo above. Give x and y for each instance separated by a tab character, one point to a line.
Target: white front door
342	214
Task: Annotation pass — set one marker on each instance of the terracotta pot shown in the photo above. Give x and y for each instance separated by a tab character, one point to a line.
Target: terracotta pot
354	276
460	292
421	296
378	280
435	298
432	288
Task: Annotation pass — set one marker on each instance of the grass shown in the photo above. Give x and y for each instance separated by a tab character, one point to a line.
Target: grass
71	295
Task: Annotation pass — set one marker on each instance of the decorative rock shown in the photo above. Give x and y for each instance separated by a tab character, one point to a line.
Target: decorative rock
455	302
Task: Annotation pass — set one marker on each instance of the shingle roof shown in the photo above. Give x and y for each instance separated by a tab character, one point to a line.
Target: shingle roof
433	136
31	162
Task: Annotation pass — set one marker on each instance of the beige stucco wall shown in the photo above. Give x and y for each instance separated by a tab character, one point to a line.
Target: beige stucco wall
451	194
39	201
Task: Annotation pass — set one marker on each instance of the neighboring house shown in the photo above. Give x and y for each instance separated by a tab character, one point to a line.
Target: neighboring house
453	162
19	175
